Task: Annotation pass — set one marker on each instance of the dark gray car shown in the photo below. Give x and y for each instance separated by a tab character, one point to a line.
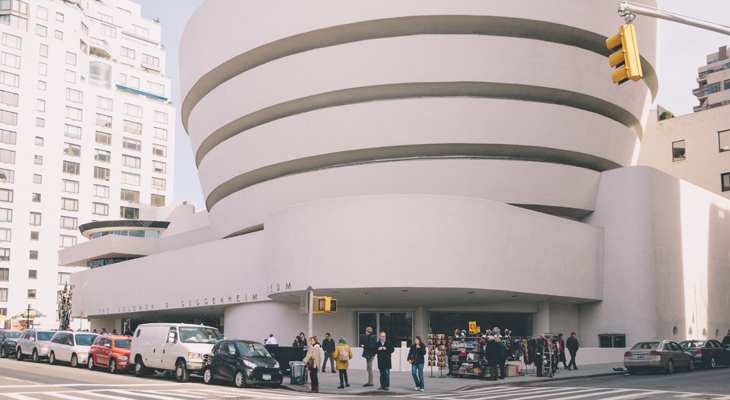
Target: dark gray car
8	341
658	355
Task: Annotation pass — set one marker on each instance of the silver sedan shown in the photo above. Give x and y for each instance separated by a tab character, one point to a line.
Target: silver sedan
661	355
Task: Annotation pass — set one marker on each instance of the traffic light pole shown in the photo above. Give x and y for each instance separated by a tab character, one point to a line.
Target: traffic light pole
310	313
629	11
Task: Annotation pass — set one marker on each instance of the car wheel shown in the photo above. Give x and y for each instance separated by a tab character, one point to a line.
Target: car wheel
91	363
713	363
52	358
18	354
632	371
670	367
75	361
208	376
181	372
3	352
35	356
139	368
113	366
240	380
691	364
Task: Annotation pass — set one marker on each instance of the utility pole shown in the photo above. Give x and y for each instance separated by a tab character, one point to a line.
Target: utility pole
629	11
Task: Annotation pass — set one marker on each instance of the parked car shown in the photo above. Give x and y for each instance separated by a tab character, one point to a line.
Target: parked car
172	347
33	343
707	353
8	341
242	362
111	351
663	355
70	347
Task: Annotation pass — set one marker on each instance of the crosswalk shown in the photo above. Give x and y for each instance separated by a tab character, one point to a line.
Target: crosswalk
164	394
562	393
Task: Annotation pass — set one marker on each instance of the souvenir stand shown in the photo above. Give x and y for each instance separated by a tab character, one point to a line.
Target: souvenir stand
466	356
437	353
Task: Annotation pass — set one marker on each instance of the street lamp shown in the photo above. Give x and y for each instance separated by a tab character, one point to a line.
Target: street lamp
27	318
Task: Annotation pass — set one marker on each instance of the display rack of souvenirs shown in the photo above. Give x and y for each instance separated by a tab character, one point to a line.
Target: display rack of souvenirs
465	356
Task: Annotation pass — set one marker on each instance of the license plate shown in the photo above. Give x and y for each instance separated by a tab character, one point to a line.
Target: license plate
266	377
639	356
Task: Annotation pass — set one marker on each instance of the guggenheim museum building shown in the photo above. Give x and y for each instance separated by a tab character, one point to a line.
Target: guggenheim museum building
427	163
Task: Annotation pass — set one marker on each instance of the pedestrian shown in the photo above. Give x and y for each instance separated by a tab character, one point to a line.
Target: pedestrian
297	342
573	345
561	350
328	346
114	332
103	331
271	341
492	355
95	331
303	339
416	356
316	361
384	352
503	354
128	332
343	354
368	351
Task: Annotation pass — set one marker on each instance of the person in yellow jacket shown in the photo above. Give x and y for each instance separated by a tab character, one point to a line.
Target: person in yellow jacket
343	354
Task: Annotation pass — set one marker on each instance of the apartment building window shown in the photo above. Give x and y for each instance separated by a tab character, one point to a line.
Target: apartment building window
9	79
106	18
713	88
100	74
70	149
151	60
36	198
4	254
108	30
158	200
37	159
6	195
71	167
43	51
725	181
104	120
161	118
66	241
160	133
128	212
129	53
132	144
132	127
102	156
104	103
103	138
41	30
5	234
83	46
33	256
7	136
131	162
10	60
72	131
9	98
100	209
59	17
42	13
160	167
101	173
7	156
132	110
35	219
69	204
7	175
8	117
156	88
40	122
724	140
129	196
70	76
42	69
69	186
40	105
159	150
39	141
134	82
12	41
31	293
69	222
70	58
59	35
37	179
14	21
4	296
64	278
140	31
6	215
678	151
101	191
123	79
34	235
130	179
158	183
4	276
41	85
76	96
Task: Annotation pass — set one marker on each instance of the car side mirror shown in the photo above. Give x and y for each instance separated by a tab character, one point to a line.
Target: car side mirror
172	338
108	345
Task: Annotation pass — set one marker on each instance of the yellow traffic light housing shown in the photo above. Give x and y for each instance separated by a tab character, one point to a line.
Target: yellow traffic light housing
324	305
626	57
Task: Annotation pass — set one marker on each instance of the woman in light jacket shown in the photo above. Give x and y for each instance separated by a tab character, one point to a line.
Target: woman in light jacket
315	352
416	356
343	364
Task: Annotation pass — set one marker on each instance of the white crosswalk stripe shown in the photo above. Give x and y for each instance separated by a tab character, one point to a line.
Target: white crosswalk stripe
559	393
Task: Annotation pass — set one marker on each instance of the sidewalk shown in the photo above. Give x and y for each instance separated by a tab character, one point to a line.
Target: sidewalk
402	382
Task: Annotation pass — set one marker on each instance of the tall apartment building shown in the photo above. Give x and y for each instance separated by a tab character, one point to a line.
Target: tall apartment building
86	134
714	81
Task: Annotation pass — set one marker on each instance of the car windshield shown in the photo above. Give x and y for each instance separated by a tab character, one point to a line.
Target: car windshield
12	335
646	346
691	343
123	343
85	340
45	336
199	335
252	349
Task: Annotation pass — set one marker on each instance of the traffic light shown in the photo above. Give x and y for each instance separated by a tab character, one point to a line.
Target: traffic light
626	56
324	305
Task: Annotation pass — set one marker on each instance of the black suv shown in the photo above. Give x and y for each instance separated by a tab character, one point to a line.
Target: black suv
244	363
8	341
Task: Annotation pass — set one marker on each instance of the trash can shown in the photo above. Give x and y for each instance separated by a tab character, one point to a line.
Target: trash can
298	372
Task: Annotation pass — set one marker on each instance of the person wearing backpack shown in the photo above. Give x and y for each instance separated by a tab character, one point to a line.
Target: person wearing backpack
416	356
343	354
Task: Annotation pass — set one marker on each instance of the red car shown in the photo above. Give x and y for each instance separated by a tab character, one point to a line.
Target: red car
112	352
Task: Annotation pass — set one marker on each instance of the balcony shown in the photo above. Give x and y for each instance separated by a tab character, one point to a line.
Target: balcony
139	92
100	48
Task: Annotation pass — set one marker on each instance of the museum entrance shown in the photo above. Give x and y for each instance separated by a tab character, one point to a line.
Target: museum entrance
447	322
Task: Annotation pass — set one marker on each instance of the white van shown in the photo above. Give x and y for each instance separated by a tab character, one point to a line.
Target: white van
70	347
181	348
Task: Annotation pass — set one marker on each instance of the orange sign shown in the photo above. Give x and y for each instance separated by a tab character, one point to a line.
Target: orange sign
473	328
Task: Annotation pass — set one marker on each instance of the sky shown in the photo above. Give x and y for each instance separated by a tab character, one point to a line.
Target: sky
682	49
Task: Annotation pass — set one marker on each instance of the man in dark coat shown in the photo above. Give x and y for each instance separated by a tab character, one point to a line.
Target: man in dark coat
503	355
384	350
328	346
492	355
572	345
368	351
